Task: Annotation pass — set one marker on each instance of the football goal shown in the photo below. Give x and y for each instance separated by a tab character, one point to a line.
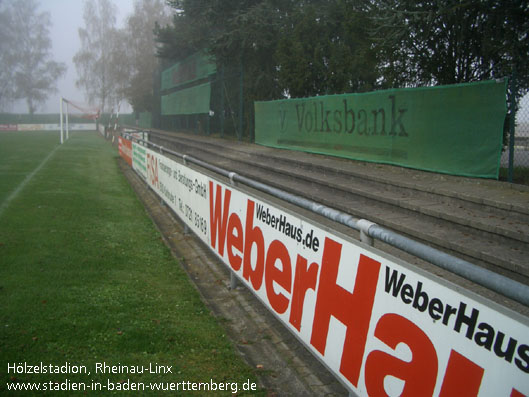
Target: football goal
79	113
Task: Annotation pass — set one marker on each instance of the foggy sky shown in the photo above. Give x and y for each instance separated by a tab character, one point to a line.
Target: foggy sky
67	18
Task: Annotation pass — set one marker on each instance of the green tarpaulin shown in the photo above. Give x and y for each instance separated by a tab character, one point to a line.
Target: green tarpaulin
197	66
191	100
454	129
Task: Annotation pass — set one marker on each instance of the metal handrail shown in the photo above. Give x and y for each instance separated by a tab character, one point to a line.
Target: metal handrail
369	230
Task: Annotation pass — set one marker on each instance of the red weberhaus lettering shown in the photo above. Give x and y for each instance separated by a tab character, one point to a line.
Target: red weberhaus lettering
247	253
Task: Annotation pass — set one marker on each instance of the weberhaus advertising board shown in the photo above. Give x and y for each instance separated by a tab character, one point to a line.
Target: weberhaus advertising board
382	326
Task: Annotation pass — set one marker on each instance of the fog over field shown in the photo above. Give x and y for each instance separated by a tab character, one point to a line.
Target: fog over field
67	18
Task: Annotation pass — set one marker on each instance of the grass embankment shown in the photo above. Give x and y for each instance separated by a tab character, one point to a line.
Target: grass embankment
85	279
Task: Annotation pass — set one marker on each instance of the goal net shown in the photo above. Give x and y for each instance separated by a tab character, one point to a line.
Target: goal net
76	115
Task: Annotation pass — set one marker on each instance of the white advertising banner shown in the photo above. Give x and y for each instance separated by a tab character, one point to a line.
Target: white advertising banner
57	127
32	127
182	188
81	126
381	325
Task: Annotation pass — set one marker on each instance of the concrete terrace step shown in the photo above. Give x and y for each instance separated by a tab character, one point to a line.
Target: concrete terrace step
491	193
488	218
485	222
494	194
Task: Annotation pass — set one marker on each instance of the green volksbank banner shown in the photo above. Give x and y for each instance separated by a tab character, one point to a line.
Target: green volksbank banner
454	129
191	100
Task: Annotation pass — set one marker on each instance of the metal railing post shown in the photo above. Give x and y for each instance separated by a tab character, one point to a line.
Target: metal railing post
512	122
364	226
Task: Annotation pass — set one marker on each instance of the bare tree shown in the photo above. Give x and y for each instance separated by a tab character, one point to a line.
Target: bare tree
141	50
26	68
7	59
93	61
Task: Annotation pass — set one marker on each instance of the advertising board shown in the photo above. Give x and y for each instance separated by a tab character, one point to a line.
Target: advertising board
192	100
57	127
382	326
8	127
455	129
125	150
81	127
31	127
195	67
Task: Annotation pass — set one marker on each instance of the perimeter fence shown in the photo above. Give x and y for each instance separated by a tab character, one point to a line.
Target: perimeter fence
515	155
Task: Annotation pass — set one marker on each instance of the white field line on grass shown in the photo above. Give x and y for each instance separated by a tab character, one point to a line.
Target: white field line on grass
26	180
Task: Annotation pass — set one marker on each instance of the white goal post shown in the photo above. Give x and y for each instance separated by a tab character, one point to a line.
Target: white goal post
68	107
62	118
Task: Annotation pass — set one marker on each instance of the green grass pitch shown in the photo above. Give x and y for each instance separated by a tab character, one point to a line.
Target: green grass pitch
85	278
